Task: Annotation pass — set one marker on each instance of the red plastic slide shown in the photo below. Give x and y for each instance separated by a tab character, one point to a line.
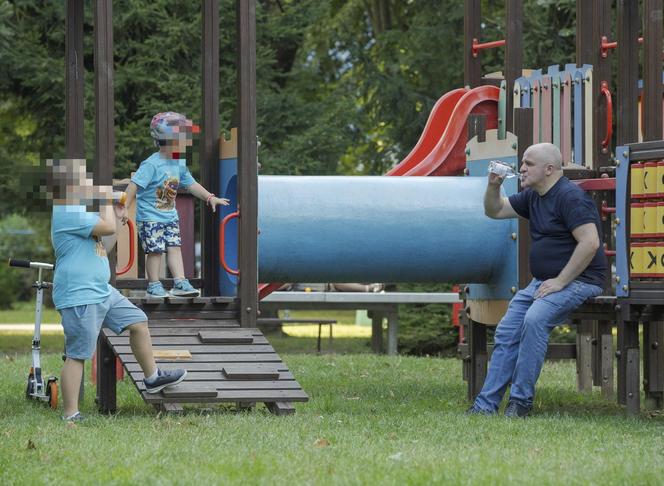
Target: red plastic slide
440	151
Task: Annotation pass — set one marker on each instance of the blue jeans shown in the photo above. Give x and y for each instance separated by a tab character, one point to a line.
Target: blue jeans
521	340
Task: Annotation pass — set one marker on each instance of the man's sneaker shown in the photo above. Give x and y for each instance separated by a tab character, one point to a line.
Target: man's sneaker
473	410
516	410
156	289
77	417
184	289
165	378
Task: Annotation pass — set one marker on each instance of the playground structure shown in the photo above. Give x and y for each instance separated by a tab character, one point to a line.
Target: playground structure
419	237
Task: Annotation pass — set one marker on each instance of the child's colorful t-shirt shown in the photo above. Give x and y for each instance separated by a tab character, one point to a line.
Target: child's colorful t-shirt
81	266
158	180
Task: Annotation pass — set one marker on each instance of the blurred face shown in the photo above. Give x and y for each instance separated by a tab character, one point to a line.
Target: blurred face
533	170
183	139
80	187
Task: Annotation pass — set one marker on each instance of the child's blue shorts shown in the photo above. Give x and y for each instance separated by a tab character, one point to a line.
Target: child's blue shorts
156	237
82	323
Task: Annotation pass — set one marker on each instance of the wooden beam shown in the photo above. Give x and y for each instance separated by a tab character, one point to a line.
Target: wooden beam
472	66
209	154
103	61
584	33
74	87
628	72
523	129
652	70
513	51
247	164
601	72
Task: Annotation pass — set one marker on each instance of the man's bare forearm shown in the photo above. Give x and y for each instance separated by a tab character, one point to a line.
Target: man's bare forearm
578	262
493	201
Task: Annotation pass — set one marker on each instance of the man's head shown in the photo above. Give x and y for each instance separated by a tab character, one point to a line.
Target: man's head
541	167
173	131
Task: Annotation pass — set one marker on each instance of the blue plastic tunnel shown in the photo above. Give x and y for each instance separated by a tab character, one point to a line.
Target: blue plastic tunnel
378	229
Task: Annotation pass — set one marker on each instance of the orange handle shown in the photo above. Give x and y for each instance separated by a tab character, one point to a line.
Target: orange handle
132	249
222	240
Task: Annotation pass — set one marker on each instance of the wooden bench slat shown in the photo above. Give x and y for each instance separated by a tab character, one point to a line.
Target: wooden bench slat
213	376
211	348
230	337
250	371
236	396
239	385
190	390
185	331
191	341
213	359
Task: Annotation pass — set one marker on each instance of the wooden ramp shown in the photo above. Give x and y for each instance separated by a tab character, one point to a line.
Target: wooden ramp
224	362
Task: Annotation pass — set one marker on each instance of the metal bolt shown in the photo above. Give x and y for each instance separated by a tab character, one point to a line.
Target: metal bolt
247	309
617	307
514	145
618	354
617	278
514	236
617	163
466	171
513	290
630	395
617	221
625	288
467	151
588	78
625	154
654	345
516	91
500	120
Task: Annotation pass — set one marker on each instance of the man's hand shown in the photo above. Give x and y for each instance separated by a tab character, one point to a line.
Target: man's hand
215	201
495	179
549	287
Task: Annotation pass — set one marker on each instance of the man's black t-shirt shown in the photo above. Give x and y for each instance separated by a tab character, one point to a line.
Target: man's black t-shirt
552	218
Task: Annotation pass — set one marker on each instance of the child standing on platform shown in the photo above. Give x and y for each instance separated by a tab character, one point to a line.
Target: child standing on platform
155	186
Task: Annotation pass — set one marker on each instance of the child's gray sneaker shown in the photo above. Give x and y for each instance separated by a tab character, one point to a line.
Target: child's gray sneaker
165	378
184	289
156	289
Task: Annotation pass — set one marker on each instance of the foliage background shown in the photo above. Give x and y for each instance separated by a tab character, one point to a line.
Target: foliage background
343	86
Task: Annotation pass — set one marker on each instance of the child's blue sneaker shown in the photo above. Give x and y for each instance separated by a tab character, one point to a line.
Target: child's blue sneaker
165	378
183	288
156	289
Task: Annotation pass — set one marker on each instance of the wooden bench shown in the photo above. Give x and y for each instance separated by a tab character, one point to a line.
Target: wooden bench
275	321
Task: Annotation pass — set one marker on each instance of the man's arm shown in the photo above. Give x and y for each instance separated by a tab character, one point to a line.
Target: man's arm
587	244
496	206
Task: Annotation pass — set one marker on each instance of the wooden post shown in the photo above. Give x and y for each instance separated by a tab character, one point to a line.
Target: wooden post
601	72
106	376
605	358
523	129
653	332
584	33
376	332
247	164
513	52
103	170
74	87
209	154
584	377
392	333
479	357
472	66
628	72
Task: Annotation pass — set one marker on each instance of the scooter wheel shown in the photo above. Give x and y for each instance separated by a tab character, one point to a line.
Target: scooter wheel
30	389
52	393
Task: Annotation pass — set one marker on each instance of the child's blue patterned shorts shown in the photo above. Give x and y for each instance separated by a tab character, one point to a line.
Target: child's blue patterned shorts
156	237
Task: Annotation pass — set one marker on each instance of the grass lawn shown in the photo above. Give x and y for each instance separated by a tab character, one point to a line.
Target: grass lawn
371	420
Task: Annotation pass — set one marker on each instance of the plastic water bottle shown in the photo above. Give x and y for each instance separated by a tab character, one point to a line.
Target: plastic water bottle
501	169
119	197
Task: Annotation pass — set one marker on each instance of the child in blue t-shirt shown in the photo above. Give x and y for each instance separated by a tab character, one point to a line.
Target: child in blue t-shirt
81	292
155	186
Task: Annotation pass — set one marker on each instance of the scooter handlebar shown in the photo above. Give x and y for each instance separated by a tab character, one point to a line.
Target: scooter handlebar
14	262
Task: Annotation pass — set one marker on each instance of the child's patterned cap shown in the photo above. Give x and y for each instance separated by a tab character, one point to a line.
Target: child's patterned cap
167	126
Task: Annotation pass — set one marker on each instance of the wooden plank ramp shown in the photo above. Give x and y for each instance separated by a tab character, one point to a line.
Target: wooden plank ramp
224	363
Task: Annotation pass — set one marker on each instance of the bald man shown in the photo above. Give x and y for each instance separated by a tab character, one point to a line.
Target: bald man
568	265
